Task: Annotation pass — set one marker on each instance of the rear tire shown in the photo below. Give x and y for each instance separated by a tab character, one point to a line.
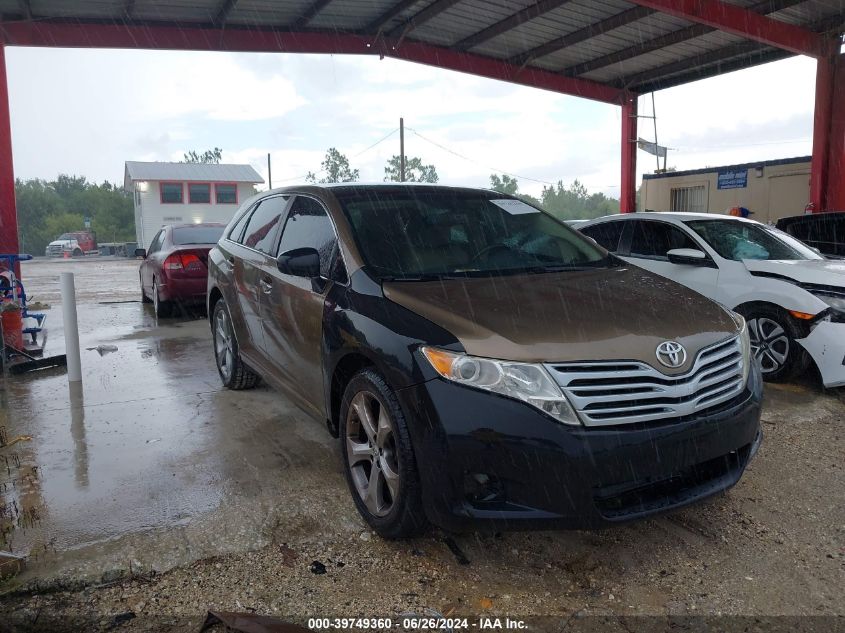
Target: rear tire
233	372
144	297
378	460
773	333
162	309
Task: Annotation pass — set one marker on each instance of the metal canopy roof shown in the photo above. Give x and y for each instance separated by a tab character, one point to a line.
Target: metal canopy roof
598	49
200	172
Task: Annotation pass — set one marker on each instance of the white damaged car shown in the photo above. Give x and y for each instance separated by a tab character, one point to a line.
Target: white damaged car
791	296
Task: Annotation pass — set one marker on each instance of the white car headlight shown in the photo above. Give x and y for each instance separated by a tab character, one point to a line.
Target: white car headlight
835	301
744	344
521	381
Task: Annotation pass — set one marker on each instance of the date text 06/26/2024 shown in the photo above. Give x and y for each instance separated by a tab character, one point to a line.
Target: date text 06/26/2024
417	623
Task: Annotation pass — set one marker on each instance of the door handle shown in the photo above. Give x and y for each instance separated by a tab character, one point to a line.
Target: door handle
230	261
266	285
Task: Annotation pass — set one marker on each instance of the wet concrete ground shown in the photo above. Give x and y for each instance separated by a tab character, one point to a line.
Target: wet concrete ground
143	461
153	466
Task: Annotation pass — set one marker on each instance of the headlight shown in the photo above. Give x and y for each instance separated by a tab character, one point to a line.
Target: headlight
837	302
521	381
744	345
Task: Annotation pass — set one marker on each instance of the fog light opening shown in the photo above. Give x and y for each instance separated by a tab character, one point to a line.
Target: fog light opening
481	488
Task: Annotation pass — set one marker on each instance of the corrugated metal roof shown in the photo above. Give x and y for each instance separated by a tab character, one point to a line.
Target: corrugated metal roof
202	172
612	42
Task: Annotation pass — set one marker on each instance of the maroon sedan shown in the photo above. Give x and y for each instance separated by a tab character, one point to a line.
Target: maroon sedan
174	268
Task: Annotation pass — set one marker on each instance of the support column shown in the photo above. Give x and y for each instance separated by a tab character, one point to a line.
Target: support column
8	212
628	192
819	167
836	147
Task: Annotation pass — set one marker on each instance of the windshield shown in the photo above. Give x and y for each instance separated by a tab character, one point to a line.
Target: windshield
746	240
197	234
406	233
66	236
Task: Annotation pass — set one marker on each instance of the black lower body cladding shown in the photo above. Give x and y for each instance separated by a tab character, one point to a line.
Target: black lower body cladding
489	462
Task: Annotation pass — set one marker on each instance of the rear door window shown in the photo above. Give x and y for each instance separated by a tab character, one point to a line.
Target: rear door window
262	231
308	225
818	231
801	230
237	232
606	234
654	239
155	245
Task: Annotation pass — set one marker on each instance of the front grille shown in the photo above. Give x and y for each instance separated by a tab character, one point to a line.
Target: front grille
623	392
651	496
54	250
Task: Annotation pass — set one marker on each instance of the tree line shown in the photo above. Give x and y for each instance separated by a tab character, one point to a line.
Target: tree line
574	202
46	209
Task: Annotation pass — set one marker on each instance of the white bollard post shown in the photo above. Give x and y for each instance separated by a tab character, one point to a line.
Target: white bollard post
74	366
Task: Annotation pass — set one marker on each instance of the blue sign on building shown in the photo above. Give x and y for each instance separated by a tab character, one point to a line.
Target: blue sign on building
732	179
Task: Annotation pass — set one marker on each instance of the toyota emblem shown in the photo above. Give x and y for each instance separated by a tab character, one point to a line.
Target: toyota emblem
671	354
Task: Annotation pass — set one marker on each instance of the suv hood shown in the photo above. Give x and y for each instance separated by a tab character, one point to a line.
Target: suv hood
825	272
62	242
608	314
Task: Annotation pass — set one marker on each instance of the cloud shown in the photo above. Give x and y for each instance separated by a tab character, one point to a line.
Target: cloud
87	111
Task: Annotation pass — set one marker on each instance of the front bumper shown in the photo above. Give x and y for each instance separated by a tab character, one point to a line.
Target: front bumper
826	346
489	461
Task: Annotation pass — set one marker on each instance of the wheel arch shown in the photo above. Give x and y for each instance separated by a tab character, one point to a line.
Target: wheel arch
802	327
348	365
214	295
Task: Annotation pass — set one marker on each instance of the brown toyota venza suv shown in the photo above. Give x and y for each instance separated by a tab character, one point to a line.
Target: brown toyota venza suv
482	363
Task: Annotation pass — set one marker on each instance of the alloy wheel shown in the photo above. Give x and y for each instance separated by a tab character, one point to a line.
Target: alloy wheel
371	453
223	352
769	343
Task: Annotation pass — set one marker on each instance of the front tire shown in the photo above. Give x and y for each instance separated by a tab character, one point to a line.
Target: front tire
773	332
233	372
379	462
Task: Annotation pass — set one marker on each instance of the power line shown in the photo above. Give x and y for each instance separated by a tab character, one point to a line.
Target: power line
466	158
364	151
379	142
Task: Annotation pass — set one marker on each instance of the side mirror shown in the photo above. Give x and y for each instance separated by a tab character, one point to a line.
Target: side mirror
300	262
141	252
688	257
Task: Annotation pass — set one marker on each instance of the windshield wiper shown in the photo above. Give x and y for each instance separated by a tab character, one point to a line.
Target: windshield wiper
418	278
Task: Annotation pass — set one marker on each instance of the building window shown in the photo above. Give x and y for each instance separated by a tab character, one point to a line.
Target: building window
171	193
689	200
199	193
226	193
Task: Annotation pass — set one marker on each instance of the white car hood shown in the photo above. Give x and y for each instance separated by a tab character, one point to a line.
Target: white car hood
62	242
825	272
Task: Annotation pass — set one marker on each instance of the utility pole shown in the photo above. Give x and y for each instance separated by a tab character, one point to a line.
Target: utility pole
656	146
269	172
401	149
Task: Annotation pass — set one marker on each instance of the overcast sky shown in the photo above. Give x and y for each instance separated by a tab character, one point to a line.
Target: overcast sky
85	112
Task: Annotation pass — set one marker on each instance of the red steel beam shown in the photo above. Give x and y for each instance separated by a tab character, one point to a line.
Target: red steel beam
733	19
182	37
628	190
504	71
8	211
836	149
825	69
